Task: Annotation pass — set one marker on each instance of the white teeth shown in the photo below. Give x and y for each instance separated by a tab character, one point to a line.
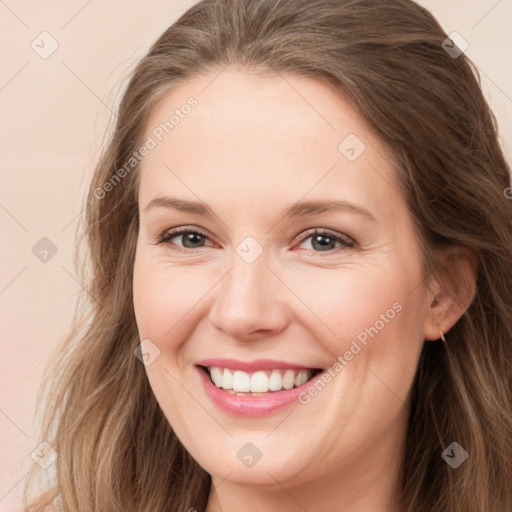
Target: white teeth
259	382
301	378
241	381
275	382
216	375
289	379
227	379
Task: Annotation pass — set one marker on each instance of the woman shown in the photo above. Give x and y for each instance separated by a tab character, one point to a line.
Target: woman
300	270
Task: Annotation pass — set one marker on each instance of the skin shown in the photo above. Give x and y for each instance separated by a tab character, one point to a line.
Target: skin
254	145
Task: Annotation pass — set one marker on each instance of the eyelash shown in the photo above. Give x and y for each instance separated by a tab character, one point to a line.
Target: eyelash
345	241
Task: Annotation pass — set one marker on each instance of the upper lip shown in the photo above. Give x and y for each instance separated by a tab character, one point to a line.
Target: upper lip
251	366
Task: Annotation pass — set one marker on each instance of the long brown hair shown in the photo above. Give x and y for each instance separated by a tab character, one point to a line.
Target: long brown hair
116	451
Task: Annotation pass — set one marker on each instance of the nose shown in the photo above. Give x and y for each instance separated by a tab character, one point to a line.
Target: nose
250	301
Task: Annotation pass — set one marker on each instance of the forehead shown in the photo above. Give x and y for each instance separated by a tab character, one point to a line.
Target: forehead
266	139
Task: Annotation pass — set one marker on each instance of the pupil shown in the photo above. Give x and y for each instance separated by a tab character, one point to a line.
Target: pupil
325	238
189	237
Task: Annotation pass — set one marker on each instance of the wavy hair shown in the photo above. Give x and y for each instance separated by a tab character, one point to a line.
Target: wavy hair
116	450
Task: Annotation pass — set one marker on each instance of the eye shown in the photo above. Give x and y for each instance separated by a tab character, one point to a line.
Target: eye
325	241
322	240
190	238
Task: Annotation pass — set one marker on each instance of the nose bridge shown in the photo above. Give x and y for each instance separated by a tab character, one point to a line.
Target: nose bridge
248	298
248	280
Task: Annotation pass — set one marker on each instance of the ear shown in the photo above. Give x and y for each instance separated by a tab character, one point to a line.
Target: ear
451	292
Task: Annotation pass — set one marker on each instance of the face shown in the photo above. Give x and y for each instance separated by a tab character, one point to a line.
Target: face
268	296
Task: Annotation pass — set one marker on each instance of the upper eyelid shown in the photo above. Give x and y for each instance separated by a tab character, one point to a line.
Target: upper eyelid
184	229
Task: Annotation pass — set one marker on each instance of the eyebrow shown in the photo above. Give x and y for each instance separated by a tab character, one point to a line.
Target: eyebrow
299	209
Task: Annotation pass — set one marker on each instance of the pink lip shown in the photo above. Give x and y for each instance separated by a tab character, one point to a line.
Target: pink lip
251	366
251	405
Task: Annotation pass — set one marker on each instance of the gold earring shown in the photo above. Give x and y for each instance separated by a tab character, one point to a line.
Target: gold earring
442	336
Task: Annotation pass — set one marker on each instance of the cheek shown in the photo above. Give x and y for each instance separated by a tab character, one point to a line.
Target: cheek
370	316
350	302
166	298
166	303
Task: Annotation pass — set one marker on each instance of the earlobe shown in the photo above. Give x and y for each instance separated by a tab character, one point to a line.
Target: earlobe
455	289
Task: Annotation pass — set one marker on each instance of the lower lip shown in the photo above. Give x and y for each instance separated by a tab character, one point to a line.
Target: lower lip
252	405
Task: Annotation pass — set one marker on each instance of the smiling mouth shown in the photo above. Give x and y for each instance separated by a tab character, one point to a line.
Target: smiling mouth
260	382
